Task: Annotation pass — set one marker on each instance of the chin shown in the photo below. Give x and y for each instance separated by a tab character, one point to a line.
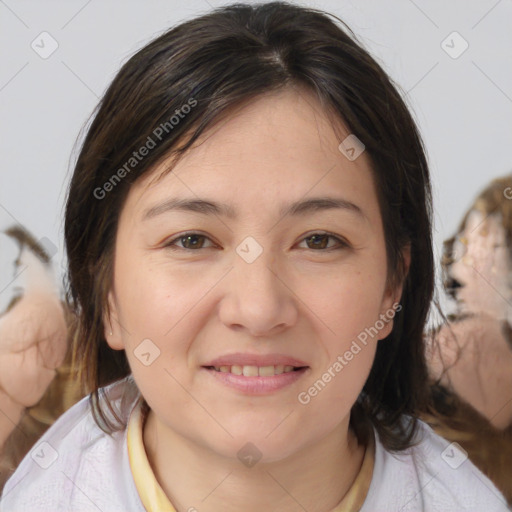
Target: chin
252	447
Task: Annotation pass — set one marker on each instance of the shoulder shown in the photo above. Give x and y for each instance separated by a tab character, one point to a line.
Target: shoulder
75	465
434	474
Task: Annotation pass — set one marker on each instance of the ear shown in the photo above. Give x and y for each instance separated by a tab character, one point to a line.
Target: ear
392	295
111	325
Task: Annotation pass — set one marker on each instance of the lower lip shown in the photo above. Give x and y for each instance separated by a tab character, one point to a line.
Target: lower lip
257	385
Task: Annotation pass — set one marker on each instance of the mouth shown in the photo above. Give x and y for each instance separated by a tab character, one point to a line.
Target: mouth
256	380
256	371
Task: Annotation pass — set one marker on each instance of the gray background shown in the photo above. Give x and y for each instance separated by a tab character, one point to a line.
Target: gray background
462	105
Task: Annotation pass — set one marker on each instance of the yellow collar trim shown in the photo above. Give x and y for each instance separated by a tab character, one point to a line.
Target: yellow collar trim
356	495
150	492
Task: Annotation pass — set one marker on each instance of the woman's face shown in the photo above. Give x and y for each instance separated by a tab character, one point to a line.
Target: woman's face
482	267
258	286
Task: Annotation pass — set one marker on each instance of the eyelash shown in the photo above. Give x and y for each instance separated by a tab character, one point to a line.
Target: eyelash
171	244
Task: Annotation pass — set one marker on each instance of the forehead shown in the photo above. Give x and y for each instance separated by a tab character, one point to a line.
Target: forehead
279	145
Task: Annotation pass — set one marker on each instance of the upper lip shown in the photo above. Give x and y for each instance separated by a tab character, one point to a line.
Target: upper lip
256	360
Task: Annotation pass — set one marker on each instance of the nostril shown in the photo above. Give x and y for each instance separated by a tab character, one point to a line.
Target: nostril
451	286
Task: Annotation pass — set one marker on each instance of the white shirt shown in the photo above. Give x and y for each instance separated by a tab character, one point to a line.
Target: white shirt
76	467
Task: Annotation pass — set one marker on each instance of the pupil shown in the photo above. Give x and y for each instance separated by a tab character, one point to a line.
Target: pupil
189	238
321	238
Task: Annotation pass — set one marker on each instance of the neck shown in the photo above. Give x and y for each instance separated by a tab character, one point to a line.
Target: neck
194	477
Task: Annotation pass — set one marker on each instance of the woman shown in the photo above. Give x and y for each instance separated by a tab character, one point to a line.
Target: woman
248	225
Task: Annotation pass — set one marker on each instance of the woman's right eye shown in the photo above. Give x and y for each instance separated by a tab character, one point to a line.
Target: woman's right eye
188	240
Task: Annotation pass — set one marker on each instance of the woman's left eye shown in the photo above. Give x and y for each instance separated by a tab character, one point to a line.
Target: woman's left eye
316	241
320	241
189	239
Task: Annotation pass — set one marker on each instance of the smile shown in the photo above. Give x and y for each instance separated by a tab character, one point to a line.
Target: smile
256	380
255	371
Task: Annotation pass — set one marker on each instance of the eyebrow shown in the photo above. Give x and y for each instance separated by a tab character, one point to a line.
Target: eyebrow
208	207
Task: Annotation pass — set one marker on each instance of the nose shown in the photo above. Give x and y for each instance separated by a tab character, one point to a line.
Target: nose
258	298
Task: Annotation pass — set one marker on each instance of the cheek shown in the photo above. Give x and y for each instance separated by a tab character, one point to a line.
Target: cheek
154	301
347	311
331	391
347	303
162	311
158	310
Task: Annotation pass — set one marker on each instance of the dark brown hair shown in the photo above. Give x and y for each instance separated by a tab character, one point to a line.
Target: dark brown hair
221	61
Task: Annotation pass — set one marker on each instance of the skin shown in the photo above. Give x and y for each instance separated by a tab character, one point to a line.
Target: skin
33	343
474	350
478	363
294	299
